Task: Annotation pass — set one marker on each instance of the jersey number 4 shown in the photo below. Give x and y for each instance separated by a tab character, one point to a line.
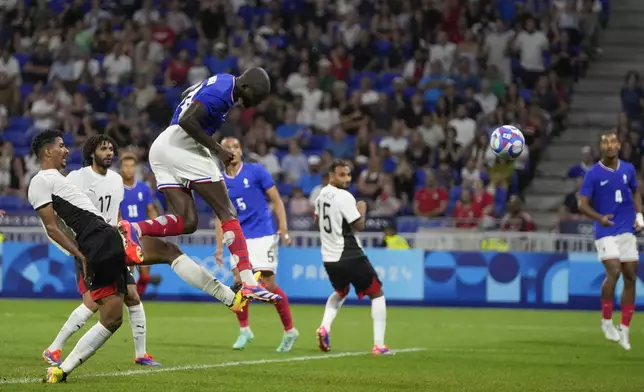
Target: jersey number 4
618	196
187	101
326	224
105	202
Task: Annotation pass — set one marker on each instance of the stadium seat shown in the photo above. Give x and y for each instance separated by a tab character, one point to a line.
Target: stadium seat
317	142
285	189
387	79
22	59
17	138
68	139
76	157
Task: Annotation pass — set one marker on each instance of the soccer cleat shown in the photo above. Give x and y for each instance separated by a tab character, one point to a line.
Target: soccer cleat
55	375
381	350
259	293
146	360
131	242
288	340
52	357
245	337
240	301
258	277
623	337
610	332
324	339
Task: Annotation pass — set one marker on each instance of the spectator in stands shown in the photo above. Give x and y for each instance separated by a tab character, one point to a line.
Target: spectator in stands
4	118
450	150
443	51
294	164
530	44
587	161
37	68
386	203
326	116
470	172
515	219
497	47
466	213
62	68
431	200
370	180
290	129
268	160
418	153
486	98
569	210
147	14
176	73
10	80
338	145
464	126
118	66
46	110
298	205
311	99
431	131
392	240
86	69
417	67
397	143
413	114
404	181
297	81
197	71
632	96
482	198
309	180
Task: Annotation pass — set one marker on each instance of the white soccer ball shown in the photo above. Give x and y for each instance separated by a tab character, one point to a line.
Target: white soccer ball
507	141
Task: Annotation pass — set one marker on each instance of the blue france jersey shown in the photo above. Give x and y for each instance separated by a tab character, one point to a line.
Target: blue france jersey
611	192
216	96
247	191
134	206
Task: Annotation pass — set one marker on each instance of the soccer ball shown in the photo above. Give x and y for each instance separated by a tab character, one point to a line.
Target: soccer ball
507	141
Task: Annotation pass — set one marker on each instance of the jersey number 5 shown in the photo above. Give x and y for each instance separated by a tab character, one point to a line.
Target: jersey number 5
105	202
241	204
326	225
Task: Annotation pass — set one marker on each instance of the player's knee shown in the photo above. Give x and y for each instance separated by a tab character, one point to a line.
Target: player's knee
377	294
189	224
268	280
132	298
112	319
172	251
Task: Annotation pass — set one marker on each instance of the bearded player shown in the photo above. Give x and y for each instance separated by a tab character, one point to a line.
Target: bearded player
105	190
250	186
182	160
138	202
610	197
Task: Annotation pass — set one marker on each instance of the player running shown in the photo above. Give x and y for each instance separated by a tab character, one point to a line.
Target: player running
105	189
611	186
338	216
250	185
137	203
181	159
100	248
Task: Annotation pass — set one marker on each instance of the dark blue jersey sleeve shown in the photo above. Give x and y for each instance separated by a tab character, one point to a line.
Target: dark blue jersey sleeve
264	178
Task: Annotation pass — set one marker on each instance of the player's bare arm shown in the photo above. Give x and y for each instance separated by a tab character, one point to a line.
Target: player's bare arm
50	221
152	211
359	224
280	212
190	122
639	218
587	210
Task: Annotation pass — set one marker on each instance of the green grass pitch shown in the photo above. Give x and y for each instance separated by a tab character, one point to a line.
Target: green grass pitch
444	350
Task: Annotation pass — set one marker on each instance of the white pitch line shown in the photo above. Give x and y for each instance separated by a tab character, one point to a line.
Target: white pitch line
27	380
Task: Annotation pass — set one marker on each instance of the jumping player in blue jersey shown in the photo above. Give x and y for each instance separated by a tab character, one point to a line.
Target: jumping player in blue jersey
609	196
182	160
137	203
251	188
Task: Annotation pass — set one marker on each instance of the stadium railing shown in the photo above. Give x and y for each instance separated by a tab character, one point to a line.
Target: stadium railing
443	239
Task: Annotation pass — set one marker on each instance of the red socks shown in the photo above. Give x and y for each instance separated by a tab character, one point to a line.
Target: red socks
161	226
627	314
607	309
238	245
243	316
283	309
142	283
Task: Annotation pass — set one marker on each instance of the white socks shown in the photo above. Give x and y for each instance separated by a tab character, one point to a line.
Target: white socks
247	277
76	321
86	347
197	277
137	322
379	316
333	305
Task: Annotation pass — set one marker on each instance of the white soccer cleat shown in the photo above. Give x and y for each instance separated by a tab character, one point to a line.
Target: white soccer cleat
623	338
610	332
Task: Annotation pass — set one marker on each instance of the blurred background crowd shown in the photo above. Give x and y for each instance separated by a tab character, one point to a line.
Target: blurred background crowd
407	90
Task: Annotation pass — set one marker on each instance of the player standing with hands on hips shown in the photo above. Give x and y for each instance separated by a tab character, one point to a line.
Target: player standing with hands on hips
609	196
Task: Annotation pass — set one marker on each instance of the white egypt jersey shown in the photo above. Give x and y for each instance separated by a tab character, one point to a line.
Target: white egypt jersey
77	213
105	191
336	210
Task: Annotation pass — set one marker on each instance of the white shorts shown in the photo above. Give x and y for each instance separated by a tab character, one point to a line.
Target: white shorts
262	253
622	247
178	161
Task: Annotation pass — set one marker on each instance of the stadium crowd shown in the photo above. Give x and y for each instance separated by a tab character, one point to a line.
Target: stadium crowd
408	90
